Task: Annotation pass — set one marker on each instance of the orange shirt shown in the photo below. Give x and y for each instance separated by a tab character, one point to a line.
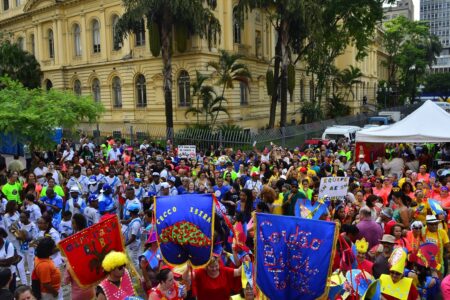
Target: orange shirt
425	178
47	272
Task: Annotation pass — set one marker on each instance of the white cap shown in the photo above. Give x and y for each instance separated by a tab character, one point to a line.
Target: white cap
74	189
361	156
165	185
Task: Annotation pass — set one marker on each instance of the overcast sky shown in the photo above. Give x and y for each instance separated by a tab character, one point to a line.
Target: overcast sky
416	9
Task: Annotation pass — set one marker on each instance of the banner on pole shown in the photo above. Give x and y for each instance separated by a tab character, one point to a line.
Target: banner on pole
333	187
185	228
187	151
293	256
85	250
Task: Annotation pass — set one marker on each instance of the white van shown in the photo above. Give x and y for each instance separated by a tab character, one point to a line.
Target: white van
334	133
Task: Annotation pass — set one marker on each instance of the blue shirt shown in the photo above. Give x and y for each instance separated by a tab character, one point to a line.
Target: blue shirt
222	190
55	201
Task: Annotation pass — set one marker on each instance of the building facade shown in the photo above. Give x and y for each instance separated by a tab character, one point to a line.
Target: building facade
400	8
74	41
437	14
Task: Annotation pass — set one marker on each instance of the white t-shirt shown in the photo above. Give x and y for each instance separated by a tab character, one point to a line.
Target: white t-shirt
134	228
92	215
40	172
9	220
69	154
113	155
7	253
65	227
35	212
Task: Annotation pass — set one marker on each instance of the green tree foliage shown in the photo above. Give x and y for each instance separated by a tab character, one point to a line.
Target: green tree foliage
228	70
19	65
439	84
208	103
33	114
411	50
315	31
194	16
346	79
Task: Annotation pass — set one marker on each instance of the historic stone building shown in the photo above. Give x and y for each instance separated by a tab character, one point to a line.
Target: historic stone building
74	42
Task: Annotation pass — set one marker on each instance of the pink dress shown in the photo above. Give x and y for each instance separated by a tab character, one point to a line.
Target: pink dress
78	293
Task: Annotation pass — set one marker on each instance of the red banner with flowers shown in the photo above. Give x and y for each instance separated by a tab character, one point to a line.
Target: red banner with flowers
85	250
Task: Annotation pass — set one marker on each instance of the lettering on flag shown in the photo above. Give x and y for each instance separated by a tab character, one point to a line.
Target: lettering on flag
85	250
184	225
293	256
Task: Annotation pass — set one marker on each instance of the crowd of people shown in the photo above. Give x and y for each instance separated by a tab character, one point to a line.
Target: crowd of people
388	228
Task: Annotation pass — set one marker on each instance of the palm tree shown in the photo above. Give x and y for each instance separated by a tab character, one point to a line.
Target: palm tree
209	103
347	78
228	71
188	17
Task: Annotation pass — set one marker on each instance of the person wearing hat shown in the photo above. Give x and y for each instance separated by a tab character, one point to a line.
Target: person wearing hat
130	200
91	212
290	199
433	234
394	285
105	201
362	166
155	186
75	204
254	183
381	264
165	189
118	280
173	191
139	191
132	232
361	249
93	185
150	262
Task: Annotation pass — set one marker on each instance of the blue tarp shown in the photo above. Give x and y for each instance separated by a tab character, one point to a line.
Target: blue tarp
9	144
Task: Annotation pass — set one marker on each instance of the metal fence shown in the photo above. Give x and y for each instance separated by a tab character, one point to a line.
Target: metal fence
290	136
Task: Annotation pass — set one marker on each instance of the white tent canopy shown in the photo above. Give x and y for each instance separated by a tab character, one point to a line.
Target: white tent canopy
429	123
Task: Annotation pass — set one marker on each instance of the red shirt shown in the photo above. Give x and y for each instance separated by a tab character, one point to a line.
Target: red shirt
219	288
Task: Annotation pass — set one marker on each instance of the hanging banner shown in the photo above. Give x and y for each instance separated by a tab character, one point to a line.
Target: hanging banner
86	249
187	151
185	228
293	256
333	187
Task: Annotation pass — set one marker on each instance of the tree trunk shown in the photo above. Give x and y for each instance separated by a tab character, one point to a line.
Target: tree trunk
284	67
166	38
276	82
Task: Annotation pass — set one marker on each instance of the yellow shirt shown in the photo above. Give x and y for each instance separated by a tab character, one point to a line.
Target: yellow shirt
439	238
277	205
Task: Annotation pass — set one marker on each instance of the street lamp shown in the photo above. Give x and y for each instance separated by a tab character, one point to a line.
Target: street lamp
385	90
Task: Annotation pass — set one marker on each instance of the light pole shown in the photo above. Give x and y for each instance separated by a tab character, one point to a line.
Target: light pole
385	90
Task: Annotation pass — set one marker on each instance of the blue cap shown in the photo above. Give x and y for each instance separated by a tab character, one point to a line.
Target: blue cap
137	180
105	204
92	197
92	179
106	187
171	178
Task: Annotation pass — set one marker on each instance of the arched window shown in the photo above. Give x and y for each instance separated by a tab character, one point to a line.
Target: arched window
77	39
184	89
236	27
33	45
51	44
141	91
302	90
116	43
117	92
139	34
77	87
96	36
244	93
96	90
48	84
20	43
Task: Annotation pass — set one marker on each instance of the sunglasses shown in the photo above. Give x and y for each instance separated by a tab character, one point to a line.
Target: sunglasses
417	228
121	267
